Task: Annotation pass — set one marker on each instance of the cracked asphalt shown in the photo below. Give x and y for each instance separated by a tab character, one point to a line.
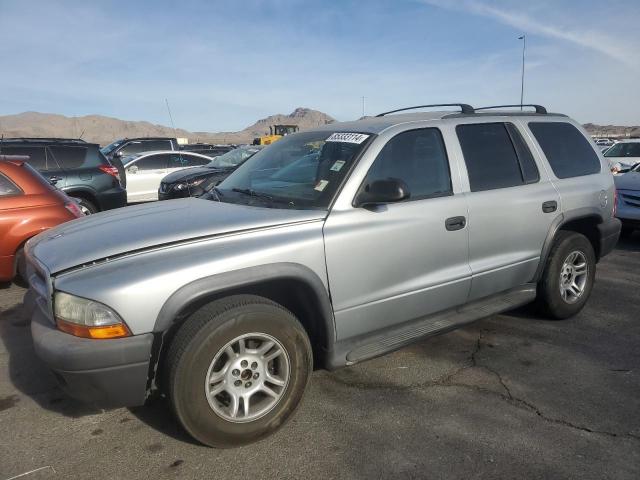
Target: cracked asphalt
511	396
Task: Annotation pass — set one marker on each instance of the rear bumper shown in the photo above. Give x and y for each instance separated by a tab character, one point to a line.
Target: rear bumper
106	373
609	234
112	198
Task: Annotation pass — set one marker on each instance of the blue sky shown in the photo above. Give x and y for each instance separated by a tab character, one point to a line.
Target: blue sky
222	65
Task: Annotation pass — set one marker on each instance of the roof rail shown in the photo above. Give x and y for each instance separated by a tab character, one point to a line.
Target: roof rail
44	139
539	108
465	108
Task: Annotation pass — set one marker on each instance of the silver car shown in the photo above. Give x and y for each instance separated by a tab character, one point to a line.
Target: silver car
329	247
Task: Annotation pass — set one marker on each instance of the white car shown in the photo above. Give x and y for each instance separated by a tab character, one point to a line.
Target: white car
623	155
145	170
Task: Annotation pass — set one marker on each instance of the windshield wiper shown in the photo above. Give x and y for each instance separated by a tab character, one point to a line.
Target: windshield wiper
252	193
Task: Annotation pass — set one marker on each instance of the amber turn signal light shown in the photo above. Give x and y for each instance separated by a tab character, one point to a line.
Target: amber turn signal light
105	332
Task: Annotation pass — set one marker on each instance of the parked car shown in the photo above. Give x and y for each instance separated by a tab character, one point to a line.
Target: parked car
144	171
130	146
193	182
628	204
28	205
75	167
207	149
403	226
624	155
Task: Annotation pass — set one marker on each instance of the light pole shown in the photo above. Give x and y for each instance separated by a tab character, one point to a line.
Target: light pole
524	49
363	106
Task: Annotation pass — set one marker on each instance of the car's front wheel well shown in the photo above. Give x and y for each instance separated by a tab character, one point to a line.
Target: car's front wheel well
295	295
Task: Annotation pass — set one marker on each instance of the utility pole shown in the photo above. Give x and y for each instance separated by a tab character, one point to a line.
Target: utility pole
524	48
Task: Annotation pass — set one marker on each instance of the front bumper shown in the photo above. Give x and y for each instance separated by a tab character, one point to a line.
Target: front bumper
609	234
105	373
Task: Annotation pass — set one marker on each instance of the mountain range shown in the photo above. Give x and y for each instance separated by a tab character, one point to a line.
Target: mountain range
103	130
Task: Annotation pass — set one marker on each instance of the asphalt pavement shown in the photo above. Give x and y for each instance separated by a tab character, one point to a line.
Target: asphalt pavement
511	396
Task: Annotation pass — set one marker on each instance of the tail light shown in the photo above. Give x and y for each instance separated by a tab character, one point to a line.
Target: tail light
74	209
111	170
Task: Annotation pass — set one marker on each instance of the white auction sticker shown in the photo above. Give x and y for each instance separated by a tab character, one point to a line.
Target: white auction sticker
348	137
320	186
337	166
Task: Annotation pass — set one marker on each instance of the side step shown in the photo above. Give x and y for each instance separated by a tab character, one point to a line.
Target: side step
403	335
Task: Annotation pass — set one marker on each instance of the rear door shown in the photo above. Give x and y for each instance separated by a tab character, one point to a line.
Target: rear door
71	160
41	160
144	176
512	204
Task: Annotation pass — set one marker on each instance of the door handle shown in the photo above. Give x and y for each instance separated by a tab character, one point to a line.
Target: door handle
455	223
549	206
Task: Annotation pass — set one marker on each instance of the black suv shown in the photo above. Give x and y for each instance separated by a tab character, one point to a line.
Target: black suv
75	167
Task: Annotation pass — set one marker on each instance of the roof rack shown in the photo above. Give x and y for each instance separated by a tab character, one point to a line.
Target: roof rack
539	108
464	108
43	139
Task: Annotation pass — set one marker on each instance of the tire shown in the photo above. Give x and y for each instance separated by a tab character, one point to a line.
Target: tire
204	337
21	266
626	231
550	300
87	207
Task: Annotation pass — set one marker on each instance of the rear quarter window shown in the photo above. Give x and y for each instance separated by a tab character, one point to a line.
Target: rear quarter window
69	157
7	187
36	154
569	153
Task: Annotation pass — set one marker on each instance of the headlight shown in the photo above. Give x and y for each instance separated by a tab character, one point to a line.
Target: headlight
180	186
197	181
86	318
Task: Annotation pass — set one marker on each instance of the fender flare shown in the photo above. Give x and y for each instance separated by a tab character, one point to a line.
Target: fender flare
199	290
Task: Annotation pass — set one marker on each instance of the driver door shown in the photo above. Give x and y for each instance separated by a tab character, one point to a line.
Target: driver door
392	263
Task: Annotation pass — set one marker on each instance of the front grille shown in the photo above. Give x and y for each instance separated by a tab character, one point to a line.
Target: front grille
631	200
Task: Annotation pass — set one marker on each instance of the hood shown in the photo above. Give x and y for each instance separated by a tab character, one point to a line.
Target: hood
627	181
133	228
189	173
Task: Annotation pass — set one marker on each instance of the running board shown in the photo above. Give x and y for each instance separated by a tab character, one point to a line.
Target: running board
440	322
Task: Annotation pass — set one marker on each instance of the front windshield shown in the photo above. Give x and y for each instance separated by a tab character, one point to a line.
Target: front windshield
303	170
111	147
631	149
233	158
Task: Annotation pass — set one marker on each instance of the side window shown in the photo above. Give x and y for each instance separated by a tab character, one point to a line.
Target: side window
490	156
132	147
528	165
7	187
417	157
150	145
152	162
193	161
37	157
69	157
569	153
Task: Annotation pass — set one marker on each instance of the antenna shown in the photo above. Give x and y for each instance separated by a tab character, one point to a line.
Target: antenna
80	137
175	135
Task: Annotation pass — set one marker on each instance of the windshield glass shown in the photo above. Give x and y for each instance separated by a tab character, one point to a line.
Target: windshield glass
631	149
303	170
233	158
111	147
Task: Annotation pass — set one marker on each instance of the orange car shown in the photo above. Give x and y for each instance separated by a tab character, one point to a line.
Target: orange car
28	206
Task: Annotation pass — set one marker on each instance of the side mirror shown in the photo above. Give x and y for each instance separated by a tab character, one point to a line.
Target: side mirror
132	169
379	192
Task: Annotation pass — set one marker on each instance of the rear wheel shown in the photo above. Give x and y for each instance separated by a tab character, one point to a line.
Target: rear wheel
568	277
87	207
238	369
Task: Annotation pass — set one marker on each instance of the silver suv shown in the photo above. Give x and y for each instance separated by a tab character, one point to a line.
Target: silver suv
329	247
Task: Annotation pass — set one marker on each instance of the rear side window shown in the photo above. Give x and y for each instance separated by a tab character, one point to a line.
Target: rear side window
491	158
37	157
152	162
186	160
569	153
418	158
68	157
528	166
624	150
7	187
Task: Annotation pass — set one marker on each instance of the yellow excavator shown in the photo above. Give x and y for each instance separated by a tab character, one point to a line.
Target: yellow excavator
276	132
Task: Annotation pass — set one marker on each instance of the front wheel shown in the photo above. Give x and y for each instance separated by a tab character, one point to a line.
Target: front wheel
568	277
238	369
